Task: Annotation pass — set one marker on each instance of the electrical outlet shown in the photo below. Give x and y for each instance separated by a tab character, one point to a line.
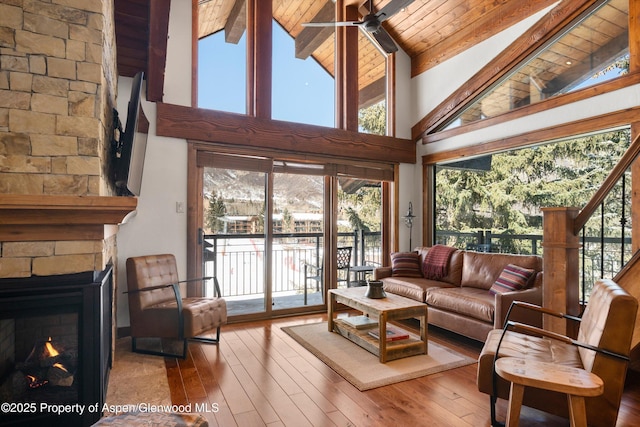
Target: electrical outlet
179	207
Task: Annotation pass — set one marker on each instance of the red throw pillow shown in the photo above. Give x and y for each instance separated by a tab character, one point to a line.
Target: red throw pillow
512	278
406	264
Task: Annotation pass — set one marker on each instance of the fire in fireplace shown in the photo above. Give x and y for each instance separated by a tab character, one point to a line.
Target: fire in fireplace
55	348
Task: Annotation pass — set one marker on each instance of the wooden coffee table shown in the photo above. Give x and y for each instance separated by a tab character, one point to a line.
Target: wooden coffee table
393	307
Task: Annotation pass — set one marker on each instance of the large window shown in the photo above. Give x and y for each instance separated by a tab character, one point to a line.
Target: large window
303	91
594	50
493	203
222	64
372	86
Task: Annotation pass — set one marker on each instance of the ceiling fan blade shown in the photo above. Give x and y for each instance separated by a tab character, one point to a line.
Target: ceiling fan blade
384	40
393	7
332	24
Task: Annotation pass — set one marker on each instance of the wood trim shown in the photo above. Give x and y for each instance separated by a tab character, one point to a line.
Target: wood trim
592	124
236	129
547	104
351	95
194	53
158	36
301	157
395	216
614	176
387	214
195	213
562	15
634	36
340	68
428	205
263	50
390	92
251	62
635	195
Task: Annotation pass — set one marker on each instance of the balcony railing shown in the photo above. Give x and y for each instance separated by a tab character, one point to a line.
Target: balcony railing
238	260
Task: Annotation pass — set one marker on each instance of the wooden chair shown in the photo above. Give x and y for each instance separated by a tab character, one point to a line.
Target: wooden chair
315	272
157	308
602	347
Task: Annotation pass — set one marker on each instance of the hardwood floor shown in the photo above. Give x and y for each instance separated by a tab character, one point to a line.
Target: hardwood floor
259	376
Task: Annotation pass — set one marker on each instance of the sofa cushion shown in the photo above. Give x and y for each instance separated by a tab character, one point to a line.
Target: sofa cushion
410	287
481	269
472	302
512	278
406	264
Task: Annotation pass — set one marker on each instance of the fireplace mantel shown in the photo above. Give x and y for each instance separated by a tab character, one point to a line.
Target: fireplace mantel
45	217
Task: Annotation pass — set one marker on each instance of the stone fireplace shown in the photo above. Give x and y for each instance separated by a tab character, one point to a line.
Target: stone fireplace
58	212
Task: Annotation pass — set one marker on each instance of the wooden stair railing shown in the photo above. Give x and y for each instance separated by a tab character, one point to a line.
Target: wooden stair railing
616	173
561	228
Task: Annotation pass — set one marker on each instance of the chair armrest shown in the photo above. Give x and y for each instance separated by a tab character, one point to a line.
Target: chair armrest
311	268
149	288
539	309
381	273
216	286
503	303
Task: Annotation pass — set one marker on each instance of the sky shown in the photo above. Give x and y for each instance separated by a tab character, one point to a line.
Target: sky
302	91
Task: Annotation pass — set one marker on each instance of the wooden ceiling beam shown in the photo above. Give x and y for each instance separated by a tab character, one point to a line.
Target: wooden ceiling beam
257	133
373	93
311	38
157	52
236	23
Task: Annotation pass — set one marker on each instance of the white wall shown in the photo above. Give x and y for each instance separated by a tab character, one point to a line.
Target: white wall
410	175
156	227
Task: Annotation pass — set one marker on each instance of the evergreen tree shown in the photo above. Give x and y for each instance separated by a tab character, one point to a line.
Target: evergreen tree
217	210
373	119
508	198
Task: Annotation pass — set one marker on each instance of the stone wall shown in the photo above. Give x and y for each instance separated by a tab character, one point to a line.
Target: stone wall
58	81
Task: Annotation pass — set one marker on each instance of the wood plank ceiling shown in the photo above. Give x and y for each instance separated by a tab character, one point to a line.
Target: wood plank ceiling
429	31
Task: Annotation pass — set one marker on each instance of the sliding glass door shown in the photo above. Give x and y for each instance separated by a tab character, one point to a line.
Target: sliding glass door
269	229
234	238
298	238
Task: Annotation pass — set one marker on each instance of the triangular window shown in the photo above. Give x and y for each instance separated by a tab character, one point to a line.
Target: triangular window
591	51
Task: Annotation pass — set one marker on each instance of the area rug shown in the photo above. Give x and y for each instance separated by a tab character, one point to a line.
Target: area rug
136	378
363	369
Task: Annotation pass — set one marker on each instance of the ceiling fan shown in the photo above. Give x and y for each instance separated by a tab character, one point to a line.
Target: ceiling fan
372	23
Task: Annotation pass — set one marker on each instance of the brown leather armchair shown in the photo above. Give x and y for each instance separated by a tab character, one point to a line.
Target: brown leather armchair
602	347
157	308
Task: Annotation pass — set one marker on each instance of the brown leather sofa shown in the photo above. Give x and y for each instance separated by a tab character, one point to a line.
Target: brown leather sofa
461	301
606	327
